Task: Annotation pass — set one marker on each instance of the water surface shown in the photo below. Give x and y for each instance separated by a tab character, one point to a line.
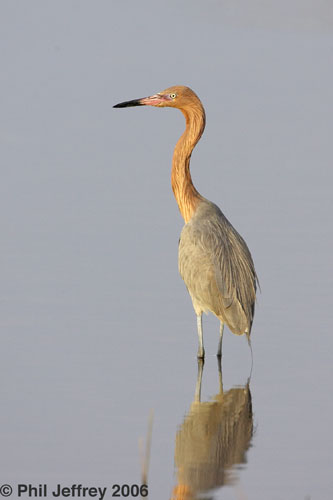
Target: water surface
97	326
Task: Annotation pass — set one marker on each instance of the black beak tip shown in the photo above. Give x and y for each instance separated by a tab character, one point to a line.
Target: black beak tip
128	104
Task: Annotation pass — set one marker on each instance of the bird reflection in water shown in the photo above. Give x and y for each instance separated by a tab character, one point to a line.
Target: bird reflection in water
213	438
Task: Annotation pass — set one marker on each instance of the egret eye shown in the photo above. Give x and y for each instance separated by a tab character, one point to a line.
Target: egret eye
173	96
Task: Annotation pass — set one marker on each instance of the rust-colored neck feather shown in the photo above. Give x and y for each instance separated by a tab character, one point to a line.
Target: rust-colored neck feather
185	193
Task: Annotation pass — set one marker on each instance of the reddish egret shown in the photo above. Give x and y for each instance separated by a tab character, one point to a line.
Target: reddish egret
214	260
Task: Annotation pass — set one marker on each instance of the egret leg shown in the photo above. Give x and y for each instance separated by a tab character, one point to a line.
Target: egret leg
197	396
201	350
219	365
219	349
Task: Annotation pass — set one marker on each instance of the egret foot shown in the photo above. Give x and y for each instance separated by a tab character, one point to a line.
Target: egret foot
201	353
219	348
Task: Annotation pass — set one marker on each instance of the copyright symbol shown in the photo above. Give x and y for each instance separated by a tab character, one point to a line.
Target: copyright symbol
6	490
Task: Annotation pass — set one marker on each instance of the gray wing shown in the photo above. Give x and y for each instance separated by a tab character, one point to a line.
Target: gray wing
217	267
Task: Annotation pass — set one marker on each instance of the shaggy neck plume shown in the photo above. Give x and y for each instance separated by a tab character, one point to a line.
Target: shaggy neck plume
185	193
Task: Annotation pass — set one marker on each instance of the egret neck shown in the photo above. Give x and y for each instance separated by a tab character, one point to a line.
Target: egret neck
186	195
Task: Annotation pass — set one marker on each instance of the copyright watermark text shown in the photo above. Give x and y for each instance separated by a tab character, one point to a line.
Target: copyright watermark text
74	491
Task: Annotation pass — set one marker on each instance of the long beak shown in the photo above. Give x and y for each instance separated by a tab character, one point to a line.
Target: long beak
127	104
153	100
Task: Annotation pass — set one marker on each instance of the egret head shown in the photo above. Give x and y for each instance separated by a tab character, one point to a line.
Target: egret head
174	97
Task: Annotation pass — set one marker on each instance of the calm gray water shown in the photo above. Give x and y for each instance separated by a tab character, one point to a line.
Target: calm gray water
97	329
